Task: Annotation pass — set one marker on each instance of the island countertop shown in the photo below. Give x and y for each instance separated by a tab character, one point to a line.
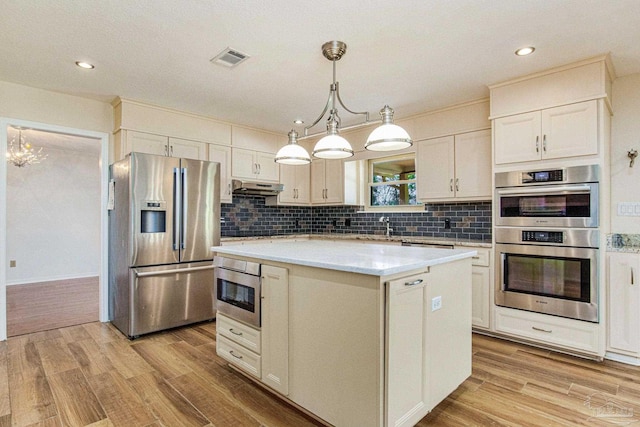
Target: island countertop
373	259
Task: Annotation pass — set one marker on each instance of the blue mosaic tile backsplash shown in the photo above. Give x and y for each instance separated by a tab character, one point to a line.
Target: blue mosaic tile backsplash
250	216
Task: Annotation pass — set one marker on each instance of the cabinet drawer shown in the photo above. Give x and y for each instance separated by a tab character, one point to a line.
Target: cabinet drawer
482	258
238	356
238	332
565	333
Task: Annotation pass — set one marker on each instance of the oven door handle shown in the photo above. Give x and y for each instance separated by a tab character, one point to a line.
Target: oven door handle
582	188
503	257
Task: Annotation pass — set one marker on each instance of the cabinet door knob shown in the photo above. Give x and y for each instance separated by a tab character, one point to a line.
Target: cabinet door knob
457	184
544	143
538	144
632	280
451	185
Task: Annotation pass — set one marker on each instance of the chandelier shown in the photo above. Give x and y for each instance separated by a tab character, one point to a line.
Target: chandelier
333	146
20	153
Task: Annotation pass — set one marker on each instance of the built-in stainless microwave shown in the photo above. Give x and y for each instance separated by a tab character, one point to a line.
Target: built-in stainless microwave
565	197
237	289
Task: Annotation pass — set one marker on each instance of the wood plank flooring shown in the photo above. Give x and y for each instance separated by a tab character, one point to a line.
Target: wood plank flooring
91	375
55	304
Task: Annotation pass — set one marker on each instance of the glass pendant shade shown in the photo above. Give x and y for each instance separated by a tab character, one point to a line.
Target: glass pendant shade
388	137
292	153
332	147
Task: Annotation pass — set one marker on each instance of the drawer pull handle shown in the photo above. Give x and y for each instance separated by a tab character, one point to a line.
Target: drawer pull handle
234	355
234	332
415	282
541	330
475	257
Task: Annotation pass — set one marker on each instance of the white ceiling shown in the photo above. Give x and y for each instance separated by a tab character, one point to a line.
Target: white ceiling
415	55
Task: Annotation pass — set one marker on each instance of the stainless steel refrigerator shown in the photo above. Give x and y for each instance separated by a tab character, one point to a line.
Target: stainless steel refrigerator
164	219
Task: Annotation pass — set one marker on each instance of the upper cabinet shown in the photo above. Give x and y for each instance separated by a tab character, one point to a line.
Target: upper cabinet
253	155
222	155
552	133
456	167
327	182
557	117
132	141
296	180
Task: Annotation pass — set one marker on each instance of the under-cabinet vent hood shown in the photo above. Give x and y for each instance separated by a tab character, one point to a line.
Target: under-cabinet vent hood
253	188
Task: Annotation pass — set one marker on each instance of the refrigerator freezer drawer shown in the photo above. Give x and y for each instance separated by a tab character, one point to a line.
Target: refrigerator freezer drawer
168	296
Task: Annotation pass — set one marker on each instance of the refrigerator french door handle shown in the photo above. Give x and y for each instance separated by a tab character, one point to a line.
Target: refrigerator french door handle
185	205
176	208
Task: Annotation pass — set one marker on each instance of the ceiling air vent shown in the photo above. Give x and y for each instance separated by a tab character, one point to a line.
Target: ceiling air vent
230	58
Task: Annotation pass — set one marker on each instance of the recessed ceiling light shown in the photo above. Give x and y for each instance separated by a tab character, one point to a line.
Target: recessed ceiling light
298	121
85	65
523	51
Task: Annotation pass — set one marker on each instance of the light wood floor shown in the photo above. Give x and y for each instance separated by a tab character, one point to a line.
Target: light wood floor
42	306
91	375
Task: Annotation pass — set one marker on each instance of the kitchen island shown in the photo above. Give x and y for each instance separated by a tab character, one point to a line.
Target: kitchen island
356	334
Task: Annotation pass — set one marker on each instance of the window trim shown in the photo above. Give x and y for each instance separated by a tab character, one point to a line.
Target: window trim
419	207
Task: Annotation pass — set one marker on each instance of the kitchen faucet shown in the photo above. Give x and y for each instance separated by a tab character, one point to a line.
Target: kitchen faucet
385	219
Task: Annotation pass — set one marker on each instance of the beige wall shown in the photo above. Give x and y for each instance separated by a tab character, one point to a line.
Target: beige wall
625	135
37	105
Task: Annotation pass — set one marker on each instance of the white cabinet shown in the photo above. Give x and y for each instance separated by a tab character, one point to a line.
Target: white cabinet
275	328
570	334
481	302
140	142
455	167
222	155
553	133
296	180
406	390
263	353
424	363
256	165
327	182
624	303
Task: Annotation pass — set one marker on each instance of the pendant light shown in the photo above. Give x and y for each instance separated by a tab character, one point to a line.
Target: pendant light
21	153
292	153
388	137
333	146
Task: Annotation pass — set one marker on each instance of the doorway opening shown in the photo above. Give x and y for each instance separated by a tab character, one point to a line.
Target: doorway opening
55	231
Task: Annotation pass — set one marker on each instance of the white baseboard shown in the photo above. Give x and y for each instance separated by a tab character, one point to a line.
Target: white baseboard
52	278
622	358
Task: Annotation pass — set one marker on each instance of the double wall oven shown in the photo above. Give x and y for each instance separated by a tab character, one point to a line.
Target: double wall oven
547	241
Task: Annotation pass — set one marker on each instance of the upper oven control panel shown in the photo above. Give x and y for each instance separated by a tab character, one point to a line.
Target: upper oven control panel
568	175
556	175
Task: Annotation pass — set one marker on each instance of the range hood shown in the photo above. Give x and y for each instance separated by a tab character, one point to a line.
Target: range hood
252	188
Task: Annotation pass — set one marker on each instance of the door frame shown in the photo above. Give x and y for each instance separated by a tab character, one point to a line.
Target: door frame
104	235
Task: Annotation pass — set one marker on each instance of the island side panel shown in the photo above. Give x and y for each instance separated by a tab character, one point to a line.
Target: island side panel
336	351
447	344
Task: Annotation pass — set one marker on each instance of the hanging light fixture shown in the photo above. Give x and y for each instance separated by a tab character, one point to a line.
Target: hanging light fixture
292	153
388	136
20	152
333	146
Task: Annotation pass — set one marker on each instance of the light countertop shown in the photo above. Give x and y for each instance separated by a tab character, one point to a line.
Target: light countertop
370	238
373	259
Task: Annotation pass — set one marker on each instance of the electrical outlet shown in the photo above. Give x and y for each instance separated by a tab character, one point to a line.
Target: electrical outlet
447	224
436	303
628	209
12	263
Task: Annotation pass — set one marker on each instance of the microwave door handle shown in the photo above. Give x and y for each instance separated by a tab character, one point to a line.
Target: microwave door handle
176	208
183	231
581	188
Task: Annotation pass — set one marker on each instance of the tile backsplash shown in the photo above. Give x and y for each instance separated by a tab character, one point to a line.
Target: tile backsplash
250	216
